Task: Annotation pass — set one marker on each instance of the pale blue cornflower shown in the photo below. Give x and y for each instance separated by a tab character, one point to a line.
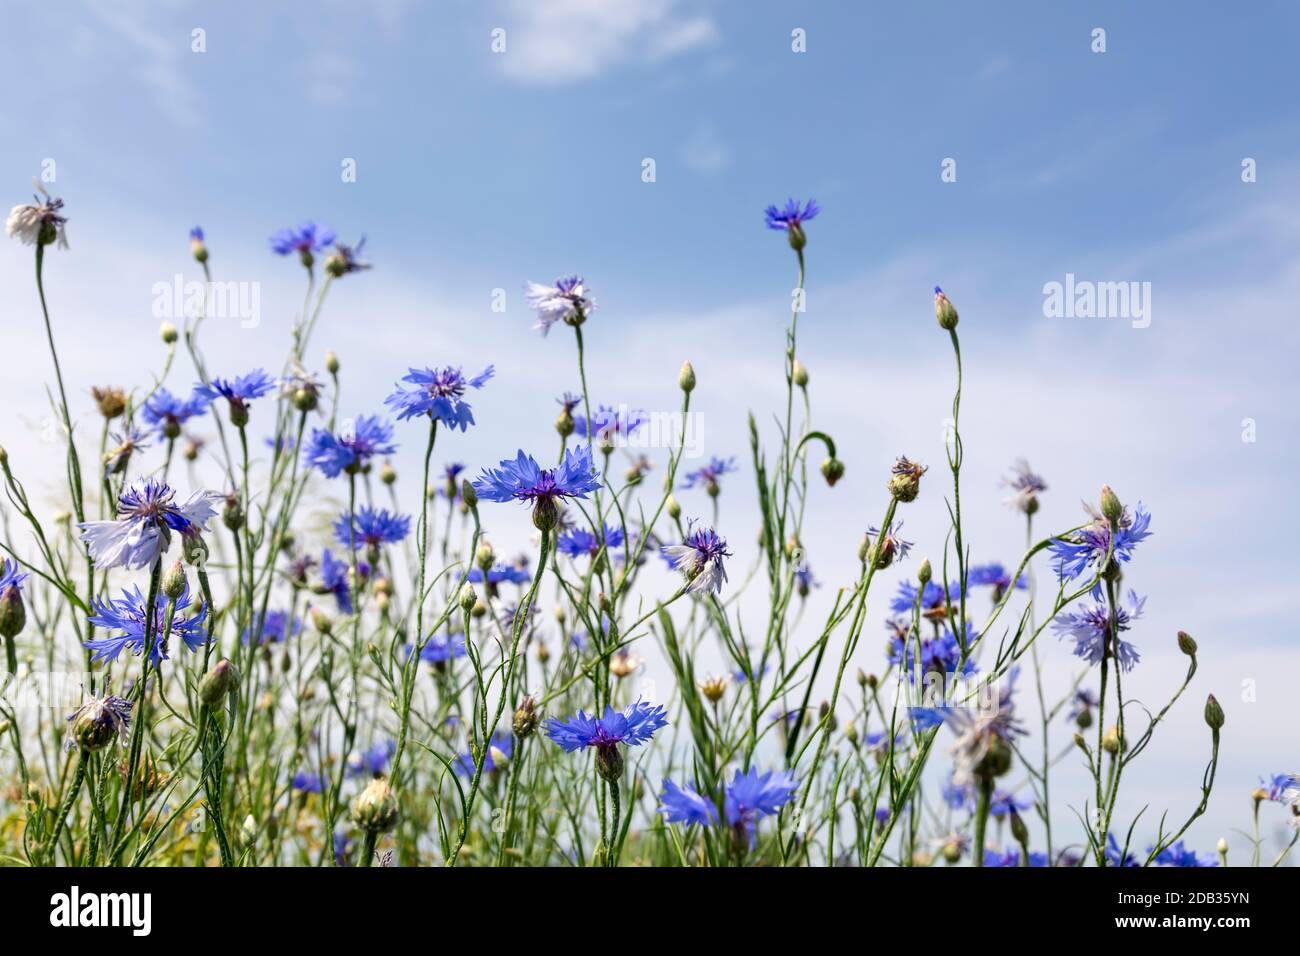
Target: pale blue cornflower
568	300
1025	487
978	729
124	444
1089	628
707	476
701	556
146	517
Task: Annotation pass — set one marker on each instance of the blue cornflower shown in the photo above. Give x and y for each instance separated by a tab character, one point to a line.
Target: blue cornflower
345	260
804	581
1116	856
334	579
238	392
750	797
124	445
307	782
580	542
522	479
939	654
146	517
1090	629
791	218
1275	787
701	557
567	301
498	573
275	628
609	424
882	815
1082	702
1011	858
280	443
373	761
10	576
499	750
632	726
1179	855
708	475
978	729
1004	804
958	796
887	545
437	394
127	616
307	238
1086	548
98	722
370	527
342	848
995	576
934	599
441	648
168	413
352	450
685	805
878	743
451	480
1025	486
740	677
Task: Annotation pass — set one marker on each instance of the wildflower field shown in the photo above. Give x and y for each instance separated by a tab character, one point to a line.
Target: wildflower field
237	634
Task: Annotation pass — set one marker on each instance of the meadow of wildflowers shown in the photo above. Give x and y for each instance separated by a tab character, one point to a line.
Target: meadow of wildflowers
240	685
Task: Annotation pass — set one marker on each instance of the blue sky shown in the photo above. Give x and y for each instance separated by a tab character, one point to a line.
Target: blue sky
477	171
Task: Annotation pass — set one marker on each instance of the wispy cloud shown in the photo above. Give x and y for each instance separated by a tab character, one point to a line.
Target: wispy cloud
567	41
704	152
157	57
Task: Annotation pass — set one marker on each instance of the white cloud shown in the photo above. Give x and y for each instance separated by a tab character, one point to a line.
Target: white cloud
330	77
566	41
704	152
